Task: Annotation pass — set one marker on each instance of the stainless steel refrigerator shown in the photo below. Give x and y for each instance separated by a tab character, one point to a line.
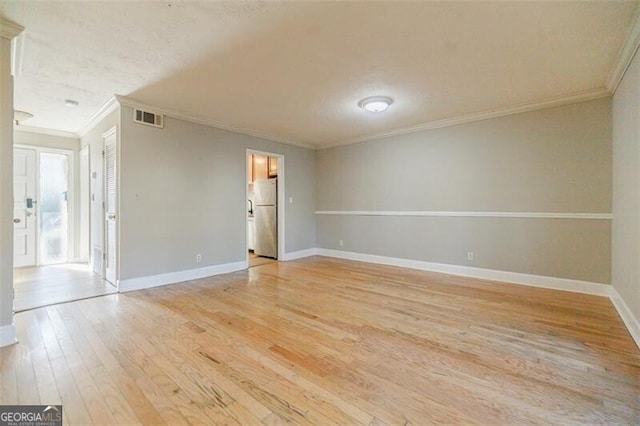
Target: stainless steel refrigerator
266	217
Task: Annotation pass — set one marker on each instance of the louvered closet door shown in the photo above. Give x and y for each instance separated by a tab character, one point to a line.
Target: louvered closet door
110	206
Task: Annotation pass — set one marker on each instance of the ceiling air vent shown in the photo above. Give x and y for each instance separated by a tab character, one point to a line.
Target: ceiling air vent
148	118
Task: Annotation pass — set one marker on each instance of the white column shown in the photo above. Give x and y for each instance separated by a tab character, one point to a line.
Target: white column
8	30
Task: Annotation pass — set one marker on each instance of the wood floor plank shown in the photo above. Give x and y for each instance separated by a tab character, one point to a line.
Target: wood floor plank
8	379
326	341
146	376
197	398
47	388
73	404
25	374
117	402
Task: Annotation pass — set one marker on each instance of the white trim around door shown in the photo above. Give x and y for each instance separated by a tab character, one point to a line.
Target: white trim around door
111	202
281	198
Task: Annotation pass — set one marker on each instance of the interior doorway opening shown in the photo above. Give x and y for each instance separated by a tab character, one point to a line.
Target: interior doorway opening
265	207
47	269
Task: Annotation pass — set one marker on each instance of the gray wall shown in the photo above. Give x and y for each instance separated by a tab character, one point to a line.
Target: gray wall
556	160
22	137
626	188
183	192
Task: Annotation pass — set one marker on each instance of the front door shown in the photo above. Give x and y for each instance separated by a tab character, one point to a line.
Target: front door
110	197
24	207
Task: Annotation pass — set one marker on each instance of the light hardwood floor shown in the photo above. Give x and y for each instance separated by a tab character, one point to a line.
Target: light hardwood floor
325	341
47	285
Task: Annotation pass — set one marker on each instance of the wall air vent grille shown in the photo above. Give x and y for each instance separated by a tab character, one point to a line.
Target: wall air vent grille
148	118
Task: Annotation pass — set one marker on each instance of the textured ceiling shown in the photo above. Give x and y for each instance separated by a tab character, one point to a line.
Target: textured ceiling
296	70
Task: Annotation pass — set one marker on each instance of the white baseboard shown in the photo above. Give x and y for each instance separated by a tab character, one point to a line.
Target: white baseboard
468	271
576	286
632	323
8	335
150	281
300	254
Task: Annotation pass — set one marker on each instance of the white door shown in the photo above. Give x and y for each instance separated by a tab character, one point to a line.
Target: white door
24	206
110	197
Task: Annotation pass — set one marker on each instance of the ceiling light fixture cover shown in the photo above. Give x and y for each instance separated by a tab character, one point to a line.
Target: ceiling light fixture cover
20	116
375	103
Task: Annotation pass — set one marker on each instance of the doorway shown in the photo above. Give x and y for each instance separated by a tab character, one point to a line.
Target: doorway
43	196
46	269
265	207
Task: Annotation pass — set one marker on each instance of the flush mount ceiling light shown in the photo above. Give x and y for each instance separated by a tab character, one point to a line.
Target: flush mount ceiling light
375	103
71	103
20	116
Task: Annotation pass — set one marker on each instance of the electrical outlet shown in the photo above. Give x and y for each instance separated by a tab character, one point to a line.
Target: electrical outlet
198	258
470	255
341	243
290	200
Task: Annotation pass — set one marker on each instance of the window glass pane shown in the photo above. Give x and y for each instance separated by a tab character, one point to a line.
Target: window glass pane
53	208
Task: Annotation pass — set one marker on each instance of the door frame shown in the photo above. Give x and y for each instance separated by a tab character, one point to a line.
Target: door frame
71	197
280	211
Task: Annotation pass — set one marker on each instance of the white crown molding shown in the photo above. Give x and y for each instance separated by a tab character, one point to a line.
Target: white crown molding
106	109
9	29
8	335
468	118
150	281
523	215
625	55
478	116
630	321
198	119
43	131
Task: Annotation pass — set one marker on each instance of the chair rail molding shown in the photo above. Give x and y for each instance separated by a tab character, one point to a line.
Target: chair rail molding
438	213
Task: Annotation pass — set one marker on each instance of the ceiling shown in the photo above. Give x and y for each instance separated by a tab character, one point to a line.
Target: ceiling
295	71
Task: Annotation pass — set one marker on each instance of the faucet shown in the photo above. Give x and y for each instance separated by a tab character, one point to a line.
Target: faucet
250	208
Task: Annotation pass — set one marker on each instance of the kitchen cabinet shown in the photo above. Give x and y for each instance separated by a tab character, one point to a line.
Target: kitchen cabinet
272	167
261	167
